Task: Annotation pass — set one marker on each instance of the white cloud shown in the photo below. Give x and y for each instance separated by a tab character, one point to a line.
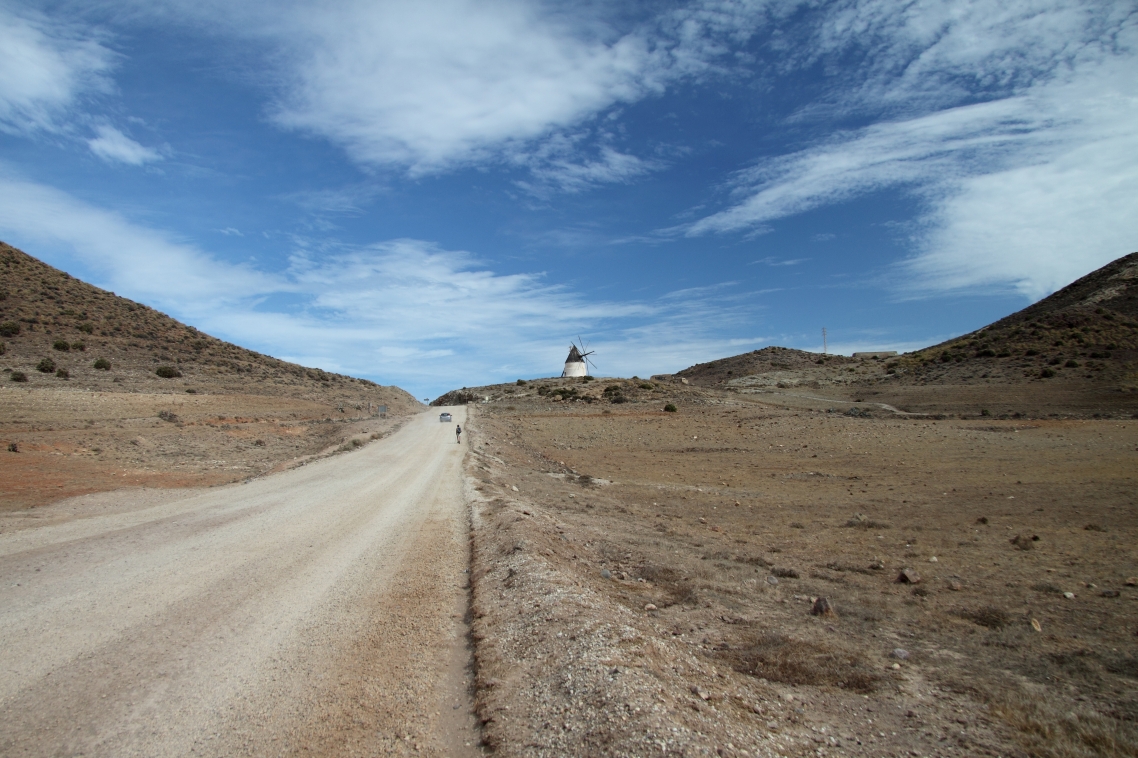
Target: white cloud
401	311
148	264
113	146
1028	191
45	68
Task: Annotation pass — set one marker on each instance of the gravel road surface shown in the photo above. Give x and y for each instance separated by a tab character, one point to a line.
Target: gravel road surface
316	612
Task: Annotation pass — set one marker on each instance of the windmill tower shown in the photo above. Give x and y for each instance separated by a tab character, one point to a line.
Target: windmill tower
577	364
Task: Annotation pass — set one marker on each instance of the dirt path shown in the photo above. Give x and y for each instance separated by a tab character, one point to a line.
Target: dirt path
317	612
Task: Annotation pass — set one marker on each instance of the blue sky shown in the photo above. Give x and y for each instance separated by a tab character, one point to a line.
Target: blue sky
444	193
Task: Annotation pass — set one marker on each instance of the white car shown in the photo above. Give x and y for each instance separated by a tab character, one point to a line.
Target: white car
445	418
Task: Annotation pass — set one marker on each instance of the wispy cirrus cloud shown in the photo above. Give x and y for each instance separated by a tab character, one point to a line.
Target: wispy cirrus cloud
402	311
46	68
113	146
1027	184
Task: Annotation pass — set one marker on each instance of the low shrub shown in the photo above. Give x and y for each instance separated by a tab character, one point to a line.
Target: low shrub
102	364
18	376
167	372
86	328
13	447
3	348
80	346
63	373
521	382
9	329
168	416
47	366
670	408
1047	373
61	345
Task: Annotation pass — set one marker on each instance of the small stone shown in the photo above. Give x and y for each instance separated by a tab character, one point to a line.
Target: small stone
606	574
772	725
1023	542
900	654
908	576
1069	595
896	666
933	559
514	487
650	607
877	565
772	581
955	585
788	697
822	607
1036	625
1110	593
1132	581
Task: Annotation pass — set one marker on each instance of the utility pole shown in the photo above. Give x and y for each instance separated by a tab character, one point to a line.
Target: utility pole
823	340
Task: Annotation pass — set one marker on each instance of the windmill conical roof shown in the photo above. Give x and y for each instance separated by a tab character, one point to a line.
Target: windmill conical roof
574	355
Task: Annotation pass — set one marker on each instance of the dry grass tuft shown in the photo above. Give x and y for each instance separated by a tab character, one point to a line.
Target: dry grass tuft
1051	731
779	658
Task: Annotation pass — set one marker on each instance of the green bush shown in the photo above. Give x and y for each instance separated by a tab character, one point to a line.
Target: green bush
102	364
63	373
62	345
587	378
167	372
3	348
647	386
670	408
521	382
1047	373
47	365
80	346
1072	363
85	327
9	329
18	376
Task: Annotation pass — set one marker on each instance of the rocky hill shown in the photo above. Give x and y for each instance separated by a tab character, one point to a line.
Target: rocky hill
57	331
99	392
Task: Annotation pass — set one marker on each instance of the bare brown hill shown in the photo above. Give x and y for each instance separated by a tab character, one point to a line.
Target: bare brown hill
1073	353
98	392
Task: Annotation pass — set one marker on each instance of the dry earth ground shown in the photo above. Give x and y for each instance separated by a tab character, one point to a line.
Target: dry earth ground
73	441
647	589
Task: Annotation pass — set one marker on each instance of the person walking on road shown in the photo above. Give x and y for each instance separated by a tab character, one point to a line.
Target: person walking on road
458	432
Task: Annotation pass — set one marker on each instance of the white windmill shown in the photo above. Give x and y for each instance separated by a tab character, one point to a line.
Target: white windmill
577	364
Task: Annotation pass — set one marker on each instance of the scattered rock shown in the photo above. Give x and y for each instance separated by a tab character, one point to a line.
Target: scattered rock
772	581
877	565
606	574
822	607
700	693
908	576
1069	595
933	559
982	520
1023	542
1111	593
900	654
955	585
1036	625
1132	581
650	607
514	487
896	666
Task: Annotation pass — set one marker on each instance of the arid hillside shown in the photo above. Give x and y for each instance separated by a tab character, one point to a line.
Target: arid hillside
98	392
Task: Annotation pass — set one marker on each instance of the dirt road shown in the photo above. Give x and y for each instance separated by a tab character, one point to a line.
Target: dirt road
316	612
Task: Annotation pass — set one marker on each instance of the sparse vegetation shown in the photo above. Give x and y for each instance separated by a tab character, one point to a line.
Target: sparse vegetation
167	372
18	376
63	373
168	416
102	364
62	345
9	329
46	365
670	408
